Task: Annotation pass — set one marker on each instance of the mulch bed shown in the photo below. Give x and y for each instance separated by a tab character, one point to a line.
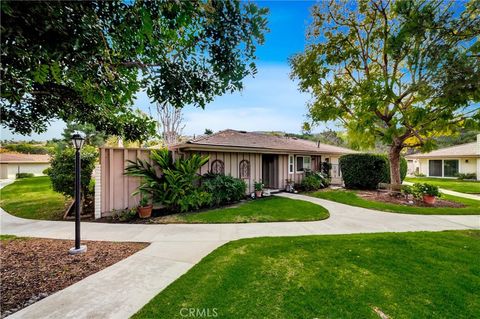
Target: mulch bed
401	200
33	268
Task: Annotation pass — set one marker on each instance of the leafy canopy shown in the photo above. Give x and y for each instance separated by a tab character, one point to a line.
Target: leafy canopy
84	61
399	71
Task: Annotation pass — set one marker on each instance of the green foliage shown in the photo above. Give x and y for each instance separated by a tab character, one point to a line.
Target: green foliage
62	169
46	171
363	171
258	186
124	215
26	148
418	174
90	134
366	171
85	61
223	189
463	176
399	72
24	175
208	131
174	184
314	181
420	189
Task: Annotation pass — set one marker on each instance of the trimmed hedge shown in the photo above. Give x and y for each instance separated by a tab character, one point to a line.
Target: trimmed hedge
365	171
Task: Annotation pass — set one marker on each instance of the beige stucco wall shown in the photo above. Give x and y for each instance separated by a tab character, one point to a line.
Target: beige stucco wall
466	165
10	170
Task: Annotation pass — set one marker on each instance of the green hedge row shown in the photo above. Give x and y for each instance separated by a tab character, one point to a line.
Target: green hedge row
365	171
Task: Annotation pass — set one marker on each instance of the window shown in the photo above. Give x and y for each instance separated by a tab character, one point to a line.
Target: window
303	163
218	167
435	168
244	169
291	164
450	168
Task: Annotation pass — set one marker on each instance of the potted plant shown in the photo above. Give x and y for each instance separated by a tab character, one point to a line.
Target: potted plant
258	189
427	192
144	208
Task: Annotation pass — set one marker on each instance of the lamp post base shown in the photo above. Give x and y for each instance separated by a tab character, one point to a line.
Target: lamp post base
81	250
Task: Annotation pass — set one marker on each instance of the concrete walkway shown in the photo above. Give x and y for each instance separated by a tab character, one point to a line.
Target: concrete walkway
453	193
122	289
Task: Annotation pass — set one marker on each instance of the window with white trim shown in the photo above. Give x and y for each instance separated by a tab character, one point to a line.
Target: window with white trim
303	163
291	164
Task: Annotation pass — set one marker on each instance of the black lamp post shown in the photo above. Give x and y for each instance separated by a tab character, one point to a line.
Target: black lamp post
77	141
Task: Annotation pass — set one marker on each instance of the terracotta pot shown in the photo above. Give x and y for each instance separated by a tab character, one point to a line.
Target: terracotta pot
258	193
429	199
145	211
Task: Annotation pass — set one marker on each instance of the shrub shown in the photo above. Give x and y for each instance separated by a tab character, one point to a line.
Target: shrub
124	215
467	176
62	169
314	181
363	171
418	174
28	148
420	189
258	186
24	175
224	189
46	171
176	186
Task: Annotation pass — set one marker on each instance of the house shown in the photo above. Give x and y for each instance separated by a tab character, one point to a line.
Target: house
447	162
251	156
13	163
264	157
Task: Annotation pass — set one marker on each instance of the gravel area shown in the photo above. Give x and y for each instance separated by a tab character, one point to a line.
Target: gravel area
33	268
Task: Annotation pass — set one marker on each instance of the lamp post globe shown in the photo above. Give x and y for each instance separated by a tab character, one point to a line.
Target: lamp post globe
77	141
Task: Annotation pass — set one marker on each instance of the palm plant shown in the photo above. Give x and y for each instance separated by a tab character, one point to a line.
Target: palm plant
172	183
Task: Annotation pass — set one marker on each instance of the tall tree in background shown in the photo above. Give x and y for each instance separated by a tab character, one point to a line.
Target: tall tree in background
171	123
398	71
84	61
90	134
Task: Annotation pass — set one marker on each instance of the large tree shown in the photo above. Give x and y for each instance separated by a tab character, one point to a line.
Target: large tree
85	61
400	72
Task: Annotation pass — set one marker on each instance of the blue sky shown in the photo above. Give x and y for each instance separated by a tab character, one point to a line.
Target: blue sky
270	101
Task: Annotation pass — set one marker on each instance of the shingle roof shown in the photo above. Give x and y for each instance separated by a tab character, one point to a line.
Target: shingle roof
23	158
463	150
243	139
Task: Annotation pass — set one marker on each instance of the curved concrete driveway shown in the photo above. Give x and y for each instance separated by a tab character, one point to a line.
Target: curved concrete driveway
122	289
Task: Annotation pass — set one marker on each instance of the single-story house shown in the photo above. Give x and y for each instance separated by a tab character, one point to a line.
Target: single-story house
269	158
447	162
251	156
13	163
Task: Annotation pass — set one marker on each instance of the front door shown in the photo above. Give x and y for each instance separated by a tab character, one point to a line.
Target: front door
269	170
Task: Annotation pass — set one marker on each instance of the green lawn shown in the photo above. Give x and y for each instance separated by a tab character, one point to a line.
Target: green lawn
351	198
33	198
271	209
469	187
404	275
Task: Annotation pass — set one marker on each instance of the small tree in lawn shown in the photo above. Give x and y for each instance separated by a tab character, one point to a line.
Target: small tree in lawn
400	72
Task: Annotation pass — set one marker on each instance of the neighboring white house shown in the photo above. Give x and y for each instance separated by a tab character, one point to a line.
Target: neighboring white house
13	163
447	162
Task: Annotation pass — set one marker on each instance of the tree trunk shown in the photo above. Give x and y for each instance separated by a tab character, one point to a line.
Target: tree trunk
394	158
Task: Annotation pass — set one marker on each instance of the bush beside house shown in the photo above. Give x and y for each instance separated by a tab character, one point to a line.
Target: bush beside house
62	170
178	186
224	189
366	171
